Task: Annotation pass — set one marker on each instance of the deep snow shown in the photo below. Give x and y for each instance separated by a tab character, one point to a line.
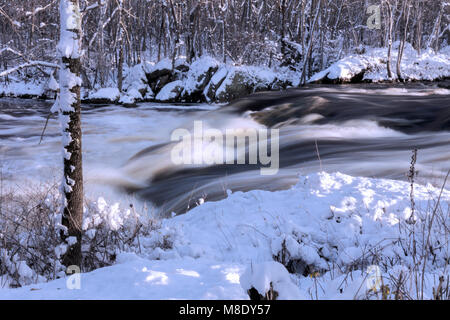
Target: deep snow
328	221
415	66
427	65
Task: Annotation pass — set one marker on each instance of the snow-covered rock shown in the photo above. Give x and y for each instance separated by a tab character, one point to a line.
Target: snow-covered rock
159	74
198	77
181	65
23	89
170	92
216	80
127	100
243	80
270	279
162	66
105	95
371	66
135	82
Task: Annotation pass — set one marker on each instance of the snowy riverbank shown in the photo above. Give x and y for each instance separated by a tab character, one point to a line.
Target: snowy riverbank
371	66
328	230
208	80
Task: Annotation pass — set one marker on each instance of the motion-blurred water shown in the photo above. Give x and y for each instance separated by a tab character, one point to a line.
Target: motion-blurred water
359	130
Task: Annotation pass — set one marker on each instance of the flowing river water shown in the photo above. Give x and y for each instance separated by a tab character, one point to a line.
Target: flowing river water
362	130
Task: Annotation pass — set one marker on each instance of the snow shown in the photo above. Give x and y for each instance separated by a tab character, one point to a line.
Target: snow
136	278
197	70
53	84
135	80
263	276
164	64
126	99
69	45
111	94
23	270
21	88
134	93
113	217
168	92
220	249
427	65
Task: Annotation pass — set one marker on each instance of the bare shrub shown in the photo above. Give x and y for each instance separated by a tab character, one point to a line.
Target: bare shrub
30	243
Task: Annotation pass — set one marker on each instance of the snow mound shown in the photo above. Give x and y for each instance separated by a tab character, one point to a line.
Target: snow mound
324	218
135	81
199	74
21	88
170	91
243	80
371	66
270	275
329	231
109	94
164	64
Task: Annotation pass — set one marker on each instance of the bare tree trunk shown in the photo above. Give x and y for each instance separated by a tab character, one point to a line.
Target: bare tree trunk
190	34
177	33
161	28
390	24
303	28
69	109
120	67
435	33
283	27
223	15
401	47
100	43
307	57
418	27
120	42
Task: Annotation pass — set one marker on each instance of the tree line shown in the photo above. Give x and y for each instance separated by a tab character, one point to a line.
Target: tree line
93	40
303	34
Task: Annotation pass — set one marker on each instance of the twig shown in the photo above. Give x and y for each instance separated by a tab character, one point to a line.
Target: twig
45	127
318	155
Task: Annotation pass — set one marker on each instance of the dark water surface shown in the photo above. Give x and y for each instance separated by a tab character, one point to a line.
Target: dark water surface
362	130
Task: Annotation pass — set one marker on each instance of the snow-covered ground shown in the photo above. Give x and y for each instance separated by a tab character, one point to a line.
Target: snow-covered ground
331	231
333	228
228	82
415	66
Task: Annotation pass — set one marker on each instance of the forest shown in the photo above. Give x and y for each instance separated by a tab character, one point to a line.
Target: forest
304	35
224	149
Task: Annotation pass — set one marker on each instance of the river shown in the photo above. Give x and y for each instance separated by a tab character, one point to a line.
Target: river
359	130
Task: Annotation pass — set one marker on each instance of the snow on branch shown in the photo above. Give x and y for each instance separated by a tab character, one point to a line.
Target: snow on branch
8	49
27	65
39	9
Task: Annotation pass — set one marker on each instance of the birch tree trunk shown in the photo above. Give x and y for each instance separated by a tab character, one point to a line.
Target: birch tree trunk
68	106
435	33
403	40
307	57
191	14
418	27
100	42
390	24
177	33
120	44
